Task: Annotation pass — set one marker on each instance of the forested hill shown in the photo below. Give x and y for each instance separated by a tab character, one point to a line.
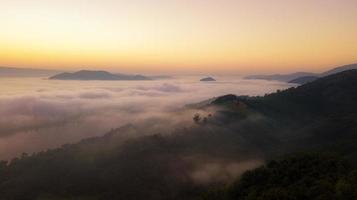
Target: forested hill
334	94
303	176
317	115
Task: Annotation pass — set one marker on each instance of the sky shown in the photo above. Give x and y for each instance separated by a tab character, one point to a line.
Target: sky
230	36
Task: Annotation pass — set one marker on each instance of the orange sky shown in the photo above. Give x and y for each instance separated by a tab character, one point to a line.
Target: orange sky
179	35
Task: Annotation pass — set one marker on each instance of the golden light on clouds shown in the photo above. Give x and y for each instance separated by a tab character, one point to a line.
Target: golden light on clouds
173	35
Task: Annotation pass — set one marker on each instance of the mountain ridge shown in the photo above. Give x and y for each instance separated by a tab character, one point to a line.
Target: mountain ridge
207	79
302	77
280	77
96	75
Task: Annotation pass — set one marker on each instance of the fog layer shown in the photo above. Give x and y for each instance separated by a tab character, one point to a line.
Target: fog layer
37	114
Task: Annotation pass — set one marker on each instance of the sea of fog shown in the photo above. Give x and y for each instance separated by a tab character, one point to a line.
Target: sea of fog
37	114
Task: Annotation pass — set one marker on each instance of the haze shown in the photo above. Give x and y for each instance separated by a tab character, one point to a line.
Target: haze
178	35
37	114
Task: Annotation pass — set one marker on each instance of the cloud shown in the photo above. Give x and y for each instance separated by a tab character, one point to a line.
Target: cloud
42	114
222	171
165	87
95	95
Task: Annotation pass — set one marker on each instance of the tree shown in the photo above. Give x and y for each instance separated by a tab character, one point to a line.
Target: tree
197	118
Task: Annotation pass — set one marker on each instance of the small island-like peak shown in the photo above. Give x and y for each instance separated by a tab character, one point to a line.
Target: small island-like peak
208	79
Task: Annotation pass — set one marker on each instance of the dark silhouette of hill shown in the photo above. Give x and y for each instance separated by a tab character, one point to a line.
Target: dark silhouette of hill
281	77
96	75
302	77
303	80
137	162
315	115
208	79
333	93
339	69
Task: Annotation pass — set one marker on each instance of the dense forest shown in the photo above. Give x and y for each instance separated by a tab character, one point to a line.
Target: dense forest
297	176
208	159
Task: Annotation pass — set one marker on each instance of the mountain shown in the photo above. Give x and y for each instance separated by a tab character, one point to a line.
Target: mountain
335	94
208	79
304	79
317	115
24	72
96	75
227	136
281	77
339	69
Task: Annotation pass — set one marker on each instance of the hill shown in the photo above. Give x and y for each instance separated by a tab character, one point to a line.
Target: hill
316	115
331	93
208	79
281	77
298	176
96	75
304	79
339	69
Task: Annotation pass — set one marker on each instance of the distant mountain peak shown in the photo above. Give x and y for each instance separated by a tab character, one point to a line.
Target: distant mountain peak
96	75
208	79
281	77
302	77
340	69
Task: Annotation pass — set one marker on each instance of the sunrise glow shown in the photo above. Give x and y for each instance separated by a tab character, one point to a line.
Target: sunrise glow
178	35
